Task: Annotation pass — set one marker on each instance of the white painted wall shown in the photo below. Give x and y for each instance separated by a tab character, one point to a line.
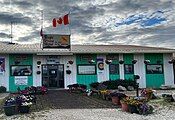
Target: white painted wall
102	75
121	67
4	78
139	69
69	78
37	78
168	69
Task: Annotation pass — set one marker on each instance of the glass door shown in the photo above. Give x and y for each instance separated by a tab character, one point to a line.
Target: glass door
53	75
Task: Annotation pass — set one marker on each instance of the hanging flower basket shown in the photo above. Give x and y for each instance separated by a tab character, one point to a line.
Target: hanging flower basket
68	71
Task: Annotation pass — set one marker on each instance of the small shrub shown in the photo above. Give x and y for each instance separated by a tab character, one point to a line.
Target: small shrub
2	89
94	85
115	83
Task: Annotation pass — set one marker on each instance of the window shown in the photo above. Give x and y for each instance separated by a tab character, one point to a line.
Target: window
154	69
129	69
21	70
113	69
86	69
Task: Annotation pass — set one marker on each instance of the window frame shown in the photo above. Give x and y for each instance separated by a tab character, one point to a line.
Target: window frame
118	70
11	74
154	73
125	69
78	72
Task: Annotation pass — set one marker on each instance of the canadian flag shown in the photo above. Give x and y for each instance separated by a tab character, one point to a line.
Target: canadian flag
61	20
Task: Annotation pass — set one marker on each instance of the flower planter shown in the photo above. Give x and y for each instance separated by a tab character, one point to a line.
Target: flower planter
124	107
133	109
116	100
10	110
24	109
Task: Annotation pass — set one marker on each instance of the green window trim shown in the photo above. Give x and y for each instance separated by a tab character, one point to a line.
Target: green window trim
154	72
116	69
126	70
22	71
85	65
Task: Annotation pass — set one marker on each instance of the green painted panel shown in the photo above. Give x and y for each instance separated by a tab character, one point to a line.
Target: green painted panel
114	76
154	80
86	79
128	60
28	60
129	76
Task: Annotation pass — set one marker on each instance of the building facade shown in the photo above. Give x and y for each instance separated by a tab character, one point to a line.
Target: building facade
29	65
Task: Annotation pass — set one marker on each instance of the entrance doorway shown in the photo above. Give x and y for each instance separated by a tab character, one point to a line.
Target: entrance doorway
53	75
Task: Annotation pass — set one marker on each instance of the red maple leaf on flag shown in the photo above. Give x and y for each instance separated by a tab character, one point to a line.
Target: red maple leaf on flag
61	20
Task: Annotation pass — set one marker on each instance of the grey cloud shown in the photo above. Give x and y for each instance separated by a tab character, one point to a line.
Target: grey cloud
17	18
4	35
29	38
23	4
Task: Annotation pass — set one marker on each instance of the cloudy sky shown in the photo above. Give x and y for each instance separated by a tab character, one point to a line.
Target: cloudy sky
135	22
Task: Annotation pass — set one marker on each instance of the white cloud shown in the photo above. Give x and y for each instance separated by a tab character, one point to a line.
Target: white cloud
92	21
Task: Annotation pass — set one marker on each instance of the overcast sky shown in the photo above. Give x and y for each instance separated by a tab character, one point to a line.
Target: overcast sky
135	22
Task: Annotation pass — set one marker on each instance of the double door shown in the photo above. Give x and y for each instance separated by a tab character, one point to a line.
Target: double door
53	75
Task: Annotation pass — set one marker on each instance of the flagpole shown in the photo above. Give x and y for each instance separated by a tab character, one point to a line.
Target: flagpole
42	25
69	29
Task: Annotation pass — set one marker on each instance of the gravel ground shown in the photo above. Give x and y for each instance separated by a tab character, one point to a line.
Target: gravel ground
92	114
79	107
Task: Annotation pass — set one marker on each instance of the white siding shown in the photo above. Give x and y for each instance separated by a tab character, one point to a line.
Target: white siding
139	69
168	69
69	78
4	78
103	75
37	78
121	67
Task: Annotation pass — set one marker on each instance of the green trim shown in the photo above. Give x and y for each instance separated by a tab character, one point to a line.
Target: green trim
86	79
87	65
23	61
128	60
154	80
114	76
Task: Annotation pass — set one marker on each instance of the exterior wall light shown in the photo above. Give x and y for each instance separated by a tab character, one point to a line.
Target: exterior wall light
108	61
121	61
134	61
147	61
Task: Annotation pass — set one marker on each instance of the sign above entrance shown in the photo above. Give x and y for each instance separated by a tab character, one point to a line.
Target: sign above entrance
56	41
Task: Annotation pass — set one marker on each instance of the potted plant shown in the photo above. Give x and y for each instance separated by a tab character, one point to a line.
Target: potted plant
147	93
145	109
10	107
116	97
124	104
24	107
133	105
